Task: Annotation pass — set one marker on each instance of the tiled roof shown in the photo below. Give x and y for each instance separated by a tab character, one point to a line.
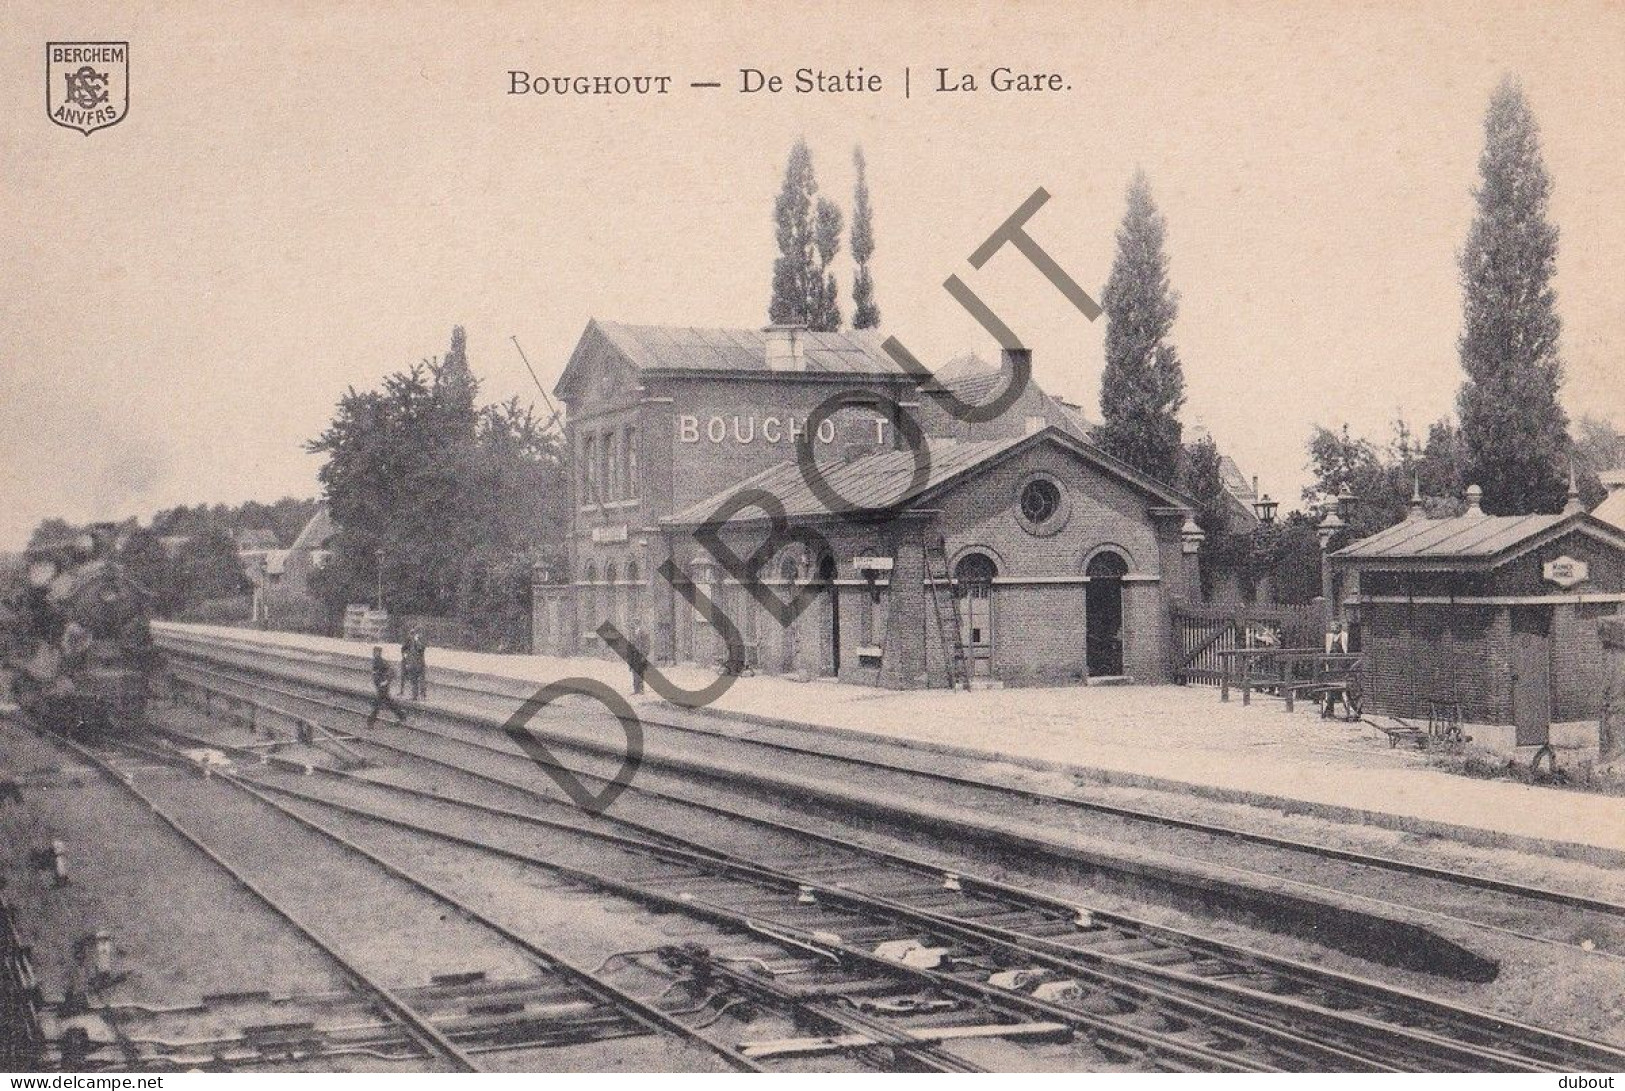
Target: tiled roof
317	531
983	385
683	348
1464	538
878	480
883	480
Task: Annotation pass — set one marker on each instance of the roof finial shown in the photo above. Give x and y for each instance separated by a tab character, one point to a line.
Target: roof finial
1475	497
1573	505
1417	510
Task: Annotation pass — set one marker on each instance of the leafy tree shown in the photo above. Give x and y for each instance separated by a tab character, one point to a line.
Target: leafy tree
150	566
865	312
285	518
51	530
1383	479
1513	426
1287	553
209	567
1598	447
1143	384
1199	476
808	230
459	498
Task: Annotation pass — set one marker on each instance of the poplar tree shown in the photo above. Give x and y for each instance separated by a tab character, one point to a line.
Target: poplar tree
808	231
865	312
1515	431
1143	384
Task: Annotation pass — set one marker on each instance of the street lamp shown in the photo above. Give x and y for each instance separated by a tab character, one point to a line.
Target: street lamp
380	581
1347	501
1264	508
1329	528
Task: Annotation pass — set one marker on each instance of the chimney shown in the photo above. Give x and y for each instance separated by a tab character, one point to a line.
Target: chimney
784	345
1475	496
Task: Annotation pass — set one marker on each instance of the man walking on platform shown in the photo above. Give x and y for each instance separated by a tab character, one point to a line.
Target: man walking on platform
382	676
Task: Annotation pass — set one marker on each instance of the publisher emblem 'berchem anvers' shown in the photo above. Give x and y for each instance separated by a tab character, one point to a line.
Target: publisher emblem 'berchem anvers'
87	84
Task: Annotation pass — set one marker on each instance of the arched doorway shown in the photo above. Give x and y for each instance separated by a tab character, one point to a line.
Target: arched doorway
832	647
1103	618
973	586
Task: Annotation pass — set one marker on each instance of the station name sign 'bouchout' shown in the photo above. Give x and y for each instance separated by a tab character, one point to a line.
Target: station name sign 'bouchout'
741	428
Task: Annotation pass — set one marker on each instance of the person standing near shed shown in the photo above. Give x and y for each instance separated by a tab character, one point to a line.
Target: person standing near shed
382	676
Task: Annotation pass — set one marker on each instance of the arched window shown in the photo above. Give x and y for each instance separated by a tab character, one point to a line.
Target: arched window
789	570
1108	564
975	568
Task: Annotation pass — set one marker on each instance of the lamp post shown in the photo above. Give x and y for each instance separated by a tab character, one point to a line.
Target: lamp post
1264	508
380	581
1191	537
1329	528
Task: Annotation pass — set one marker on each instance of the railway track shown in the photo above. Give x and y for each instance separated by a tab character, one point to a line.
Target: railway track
1040	941
450	1020
1521	912
873	1012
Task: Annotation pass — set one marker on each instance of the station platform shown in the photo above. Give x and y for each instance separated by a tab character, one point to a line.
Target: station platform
1166	738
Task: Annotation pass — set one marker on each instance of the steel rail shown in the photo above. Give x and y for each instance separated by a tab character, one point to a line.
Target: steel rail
481	724
1152	1043
1562	1048
1412	1041
640	1011
1032	795
425	1033
1420	1043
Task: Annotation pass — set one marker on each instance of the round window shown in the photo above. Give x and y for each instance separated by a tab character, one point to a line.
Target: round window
1040	500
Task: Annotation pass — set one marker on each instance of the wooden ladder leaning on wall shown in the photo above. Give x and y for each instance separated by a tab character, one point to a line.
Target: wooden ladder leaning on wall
939	585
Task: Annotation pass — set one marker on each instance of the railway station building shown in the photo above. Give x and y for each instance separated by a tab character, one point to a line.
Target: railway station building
1492	620
912	539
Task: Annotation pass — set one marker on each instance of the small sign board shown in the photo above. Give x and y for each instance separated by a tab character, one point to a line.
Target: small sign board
1565	571
872	564
609	533
363	622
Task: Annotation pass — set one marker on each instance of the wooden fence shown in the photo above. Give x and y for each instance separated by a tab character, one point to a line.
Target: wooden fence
1202	631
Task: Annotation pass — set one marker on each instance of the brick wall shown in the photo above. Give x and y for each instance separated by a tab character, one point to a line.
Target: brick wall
1417	653
1578	660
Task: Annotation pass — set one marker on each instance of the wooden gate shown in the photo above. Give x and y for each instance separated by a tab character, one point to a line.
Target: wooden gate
1203	630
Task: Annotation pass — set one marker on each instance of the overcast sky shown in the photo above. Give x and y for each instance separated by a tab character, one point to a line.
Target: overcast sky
302	201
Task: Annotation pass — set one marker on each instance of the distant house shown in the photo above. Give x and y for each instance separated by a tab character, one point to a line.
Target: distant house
282	597
310	550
